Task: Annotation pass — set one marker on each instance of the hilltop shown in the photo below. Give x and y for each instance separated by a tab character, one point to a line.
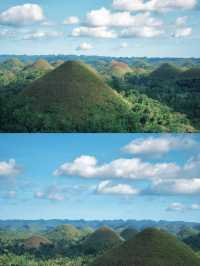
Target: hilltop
166	71
128	233
35	242
64	232
119	68
150	248
75	92
41	65
102	239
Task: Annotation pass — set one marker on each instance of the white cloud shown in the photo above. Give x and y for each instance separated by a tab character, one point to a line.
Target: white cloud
175	187
179	207
97	32
183	32
142	32
176	206
154	5
87	167
106	187
181	21
71	20
104	18
192	166
159	145
9	169
52	193
22	15
35	35
84	46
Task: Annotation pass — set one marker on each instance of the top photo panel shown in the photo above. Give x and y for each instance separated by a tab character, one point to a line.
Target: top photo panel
99	66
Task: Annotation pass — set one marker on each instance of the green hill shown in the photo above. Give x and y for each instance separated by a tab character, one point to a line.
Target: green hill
75	92
64	232
128	233
102	239
187	232
193	242
57	63
36	242
166	72
41	65
119	68
150	248
192	73
12	65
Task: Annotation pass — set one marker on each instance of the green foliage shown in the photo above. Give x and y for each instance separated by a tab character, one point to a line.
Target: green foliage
128	233
150	248
74	98
193	241
102	239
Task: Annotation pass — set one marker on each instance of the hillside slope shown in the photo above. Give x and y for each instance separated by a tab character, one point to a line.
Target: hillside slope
150	248
77	92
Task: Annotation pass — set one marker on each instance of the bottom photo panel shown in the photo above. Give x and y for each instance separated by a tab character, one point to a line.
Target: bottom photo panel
100	199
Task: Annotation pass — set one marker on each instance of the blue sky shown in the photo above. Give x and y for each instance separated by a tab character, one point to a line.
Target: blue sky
101	27
100	176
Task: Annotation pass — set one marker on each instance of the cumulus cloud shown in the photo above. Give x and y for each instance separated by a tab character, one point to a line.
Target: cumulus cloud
71	20
135	168
84	46
154	5
22	15
183	32
175	187
143	32
104	18
9	169
96	32
106	187
159	145
35	35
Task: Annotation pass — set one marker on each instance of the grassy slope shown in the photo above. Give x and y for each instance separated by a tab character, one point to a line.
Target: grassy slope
77	92
67	232
150	248
103	238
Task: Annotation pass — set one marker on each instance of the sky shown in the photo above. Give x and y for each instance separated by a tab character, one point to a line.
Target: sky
100	176
152	28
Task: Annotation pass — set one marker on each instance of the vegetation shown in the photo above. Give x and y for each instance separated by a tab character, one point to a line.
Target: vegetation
151	247
102	247
128	233
71	97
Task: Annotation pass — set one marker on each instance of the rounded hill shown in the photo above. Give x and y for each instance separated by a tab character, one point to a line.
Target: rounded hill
166	72
128	233
75	92
66	232
36	242
41	65
102	239
119	68
151	247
